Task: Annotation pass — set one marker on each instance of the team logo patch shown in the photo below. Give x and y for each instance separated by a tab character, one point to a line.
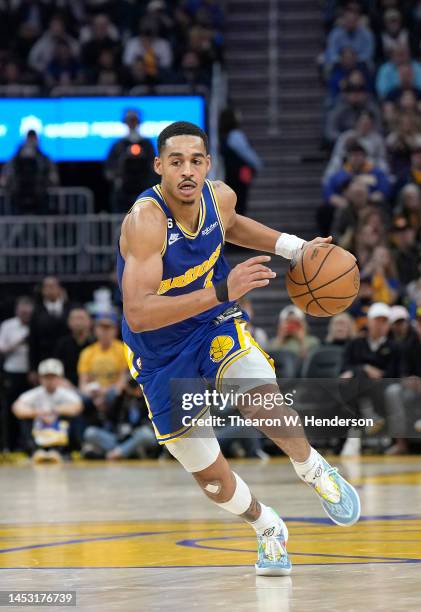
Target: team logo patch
139	363
220	347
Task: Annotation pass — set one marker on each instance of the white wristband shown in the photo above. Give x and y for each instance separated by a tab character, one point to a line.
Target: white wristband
288	244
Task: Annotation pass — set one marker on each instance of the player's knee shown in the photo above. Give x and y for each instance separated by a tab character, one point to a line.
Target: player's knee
218	487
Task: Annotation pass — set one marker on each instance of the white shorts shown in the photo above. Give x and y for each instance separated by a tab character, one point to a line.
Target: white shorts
196	454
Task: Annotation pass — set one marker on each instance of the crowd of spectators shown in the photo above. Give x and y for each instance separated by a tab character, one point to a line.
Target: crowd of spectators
109	43
371	68
372	182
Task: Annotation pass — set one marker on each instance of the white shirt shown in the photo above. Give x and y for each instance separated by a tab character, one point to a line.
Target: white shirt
11	332
55	308
161	48
48	402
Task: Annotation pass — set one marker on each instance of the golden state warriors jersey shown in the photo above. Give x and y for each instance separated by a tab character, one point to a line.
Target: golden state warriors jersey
191	261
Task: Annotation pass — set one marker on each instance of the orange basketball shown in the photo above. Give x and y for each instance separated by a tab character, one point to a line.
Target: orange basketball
324	280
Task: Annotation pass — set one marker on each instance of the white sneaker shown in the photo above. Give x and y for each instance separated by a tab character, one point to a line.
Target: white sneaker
272	556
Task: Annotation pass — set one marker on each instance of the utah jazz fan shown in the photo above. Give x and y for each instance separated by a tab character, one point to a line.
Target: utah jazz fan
181	321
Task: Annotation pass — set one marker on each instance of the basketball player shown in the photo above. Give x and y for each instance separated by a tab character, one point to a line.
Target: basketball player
181	321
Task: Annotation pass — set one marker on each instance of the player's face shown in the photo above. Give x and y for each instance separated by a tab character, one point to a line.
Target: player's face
183	165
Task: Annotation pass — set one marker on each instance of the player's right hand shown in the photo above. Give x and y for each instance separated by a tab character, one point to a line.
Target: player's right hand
249	275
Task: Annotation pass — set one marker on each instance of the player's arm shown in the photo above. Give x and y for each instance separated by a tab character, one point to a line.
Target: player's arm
142	237
251	234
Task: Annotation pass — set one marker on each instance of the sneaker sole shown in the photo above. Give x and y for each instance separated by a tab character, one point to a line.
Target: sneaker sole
273	571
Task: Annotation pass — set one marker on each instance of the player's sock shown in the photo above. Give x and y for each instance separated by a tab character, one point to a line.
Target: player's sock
313	472
268	523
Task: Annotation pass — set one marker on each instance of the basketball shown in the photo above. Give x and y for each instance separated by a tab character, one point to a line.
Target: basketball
324	280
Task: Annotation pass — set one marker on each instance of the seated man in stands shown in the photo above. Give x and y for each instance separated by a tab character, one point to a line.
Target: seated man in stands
292	333
404	397
102	366
369	359
45	405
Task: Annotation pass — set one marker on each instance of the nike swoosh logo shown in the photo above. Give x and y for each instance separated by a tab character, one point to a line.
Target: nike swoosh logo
173	239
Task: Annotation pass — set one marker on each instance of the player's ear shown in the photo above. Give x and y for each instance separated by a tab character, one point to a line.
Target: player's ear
157	165
208	162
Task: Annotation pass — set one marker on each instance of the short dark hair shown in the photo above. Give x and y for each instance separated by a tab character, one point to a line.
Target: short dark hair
181	128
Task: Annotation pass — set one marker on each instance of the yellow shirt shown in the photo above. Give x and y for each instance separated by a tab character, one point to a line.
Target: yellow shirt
103	366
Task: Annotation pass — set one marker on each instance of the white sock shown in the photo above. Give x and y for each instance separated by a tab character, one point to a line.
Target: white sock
307	469
268	522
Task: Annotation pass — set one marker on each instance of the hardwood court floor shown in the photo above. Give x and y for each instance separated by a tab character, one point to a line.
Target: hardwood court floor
141	536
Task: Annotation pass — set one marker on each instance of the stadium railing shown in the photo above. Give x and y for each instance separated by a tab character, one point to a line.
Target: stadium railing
73	247
61	201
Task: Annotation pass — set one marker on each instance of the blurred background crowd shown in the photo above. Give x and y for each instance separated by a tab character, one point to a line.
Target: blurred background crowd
65	381
77	42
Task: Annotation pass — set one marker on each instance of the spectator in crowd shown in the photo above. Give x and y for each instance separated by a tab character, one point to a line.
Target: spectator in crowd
69	347
129	164
123	430
366	133
394	34
48	323
44	50
292	333
349	106
106	71
340	73
368	359
402	398
361	305
388	76
341	329
27	176
155	51
240	159
101	36
45	405
357	164
400	143
409	206
401	330
414	174
406	251
350	33
348	216
64	68
384	277
365	240
191	71
258	333
102	366
14	350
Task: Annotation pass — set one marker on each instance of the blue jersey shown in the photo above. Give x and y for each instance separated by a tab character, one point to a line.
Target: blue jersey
191	261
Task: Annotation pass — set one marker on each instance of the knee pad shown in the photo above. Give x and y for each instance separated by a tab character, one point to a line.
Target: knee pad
194	454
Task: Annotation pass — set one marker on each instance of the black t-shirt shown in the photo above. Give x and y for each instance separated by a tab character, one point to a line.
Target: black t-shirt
386	358
68	351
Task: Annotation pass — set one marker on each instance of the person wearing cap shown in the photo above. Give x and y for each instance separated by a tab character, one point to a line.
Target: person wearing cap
102	366
292	333
357	165
45	405
401	330
371	358
403	398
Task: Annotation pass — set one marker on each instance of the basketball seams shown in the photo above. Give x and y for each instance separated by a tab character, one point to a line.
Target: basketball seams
308	286
325	284
317	271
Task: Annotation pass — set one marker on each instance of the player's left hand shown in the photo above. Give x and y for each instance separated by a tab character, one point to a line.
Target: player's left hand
318	241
